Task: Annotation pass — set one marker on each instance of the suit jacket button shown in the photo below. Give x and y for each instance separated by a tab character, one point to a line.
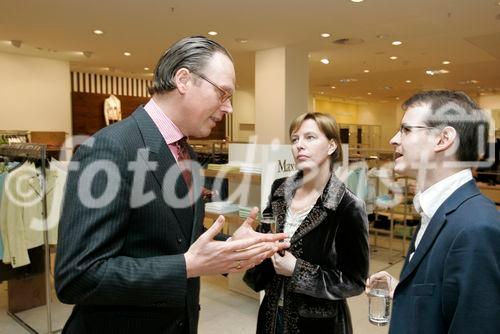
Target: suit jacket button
180	323
179	240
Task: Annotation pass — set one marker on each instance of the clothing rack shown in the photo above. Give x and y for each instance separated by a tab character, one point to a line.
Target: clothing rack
36	152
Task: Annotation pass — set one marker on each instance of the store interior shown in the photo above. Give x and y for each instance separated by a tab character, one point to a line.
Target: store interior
71	68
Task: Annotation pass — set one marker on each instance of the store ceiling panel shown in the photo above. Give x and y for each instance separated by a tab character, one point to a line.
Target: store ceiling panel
466	33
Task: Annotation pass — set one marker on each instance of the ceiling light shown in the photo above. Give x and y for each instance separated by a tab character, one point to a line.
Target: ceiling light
241	40
369	93
333	87
325	35
408	81
325	61
16	43
397	43
347	80
366	71
397	97
393	57
469	82
98	32
146	68
213	33
446	62
127	54
356	1
436	72
322	93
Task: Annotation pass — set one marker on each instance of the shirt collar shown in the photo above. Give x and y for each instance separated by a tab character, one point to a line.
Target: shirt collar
429	201
169	131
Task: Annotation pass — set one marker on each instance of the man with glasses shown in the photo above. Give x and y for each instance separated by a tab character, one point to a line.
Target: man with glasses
450	281
131	260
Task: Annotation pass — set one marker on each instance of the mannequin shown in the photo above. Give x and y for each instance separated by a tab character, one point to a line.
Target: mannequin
112	110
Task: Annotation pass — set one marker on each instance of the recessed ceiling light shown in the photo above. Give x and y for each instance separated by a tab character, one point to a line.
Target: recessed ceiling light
356	1
369	93
347	80
127	54
446	62
436	72
397	97
366	71
325	61
325	35
333	87
98	32
397	43
146	68
322	93
408	81
393	57
213	33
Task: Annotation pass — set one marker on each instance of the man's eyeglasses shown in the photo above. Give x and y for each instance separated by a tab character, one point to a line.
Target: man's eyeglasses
224	96
405	129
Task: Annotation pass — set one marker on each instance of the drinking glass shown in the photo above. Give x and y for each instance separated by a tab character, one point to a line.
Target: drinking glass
379	302
267	223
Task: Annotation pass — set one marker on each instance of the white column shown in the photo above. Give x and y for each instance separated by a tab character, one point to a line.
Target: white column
281	91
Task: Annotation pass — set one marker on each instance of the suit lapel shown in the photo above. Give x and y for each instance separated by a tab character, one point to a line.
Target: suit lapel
436	224
199	206
173	185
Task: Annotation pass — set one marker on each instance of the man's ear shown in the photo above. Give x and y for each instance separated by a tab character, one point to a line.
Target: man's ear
446	139
182	79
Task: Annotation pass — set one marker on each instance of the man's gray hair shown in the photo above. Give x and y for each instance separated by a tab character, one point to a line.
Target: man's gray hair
191	53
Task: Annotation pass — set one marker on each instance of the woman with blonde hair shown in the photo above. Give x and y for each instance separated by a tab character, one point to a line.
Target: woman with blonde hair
306	286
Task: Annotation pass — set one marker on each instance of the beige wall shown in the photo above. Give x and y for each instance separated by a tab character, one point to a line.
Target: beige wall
352	112
493	103
35	94
243	114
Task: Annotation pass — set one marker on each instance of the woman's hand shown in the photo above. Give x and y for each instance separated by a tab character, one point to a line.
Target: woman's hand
284	265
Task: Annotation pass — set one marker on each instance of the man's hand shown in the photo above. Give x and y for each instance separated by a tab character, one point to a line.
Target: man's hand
284	265
209	257
246	231
383	276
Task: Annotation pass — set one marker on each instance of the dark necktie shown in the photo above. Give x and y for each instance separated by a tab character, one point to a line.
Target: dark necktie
183	159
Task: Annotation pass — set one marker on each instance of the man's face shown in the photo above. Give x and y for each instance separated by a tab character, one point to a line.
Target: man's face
204	108
414	144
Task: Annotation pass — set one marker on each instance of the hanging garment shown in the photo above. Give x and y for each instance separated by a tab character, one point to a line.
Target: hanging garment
21	217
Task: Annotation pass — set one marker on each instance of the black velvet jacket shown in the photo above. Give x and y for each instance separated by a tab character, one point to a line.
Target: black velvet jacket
331	247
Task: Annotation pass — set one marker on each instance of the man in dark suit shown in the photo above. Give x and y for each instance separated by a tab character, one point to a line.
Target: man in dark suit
450	281
130	252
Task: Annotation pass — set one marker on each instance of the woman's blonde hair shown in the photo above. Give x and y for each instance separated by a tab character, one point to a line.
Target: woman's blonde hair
328	125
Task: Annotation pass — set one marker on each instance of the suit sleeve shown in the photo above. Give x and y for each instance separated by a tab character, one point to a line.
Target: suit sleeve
471	282
259	277
90	269
347	278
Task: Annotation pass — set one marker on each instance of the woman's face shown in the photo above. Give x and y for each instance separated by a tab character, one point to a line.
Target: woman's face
310	147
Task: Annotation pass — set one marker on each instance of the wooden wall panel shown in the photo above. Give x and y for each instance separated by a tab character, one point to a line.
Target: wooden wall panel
88	114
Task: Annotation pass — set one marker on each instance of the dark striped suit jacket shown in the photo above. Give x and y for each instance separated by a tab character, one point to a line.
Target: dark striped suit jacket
121	241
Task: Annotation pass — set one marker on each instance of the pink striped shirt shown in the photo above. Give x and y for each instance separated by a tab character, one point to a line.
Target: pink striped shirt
169	131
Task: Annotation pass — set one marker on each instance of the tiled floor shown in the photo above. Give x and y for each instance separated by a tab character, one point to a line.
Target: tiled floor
222	311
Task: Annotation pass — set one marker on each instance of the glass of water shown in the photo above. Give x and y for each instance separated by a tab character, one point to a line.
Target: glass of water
379	302
267	223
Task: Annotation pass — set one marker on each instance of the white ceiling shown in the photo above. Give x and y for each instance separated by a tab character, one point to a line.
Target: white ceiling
465	32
